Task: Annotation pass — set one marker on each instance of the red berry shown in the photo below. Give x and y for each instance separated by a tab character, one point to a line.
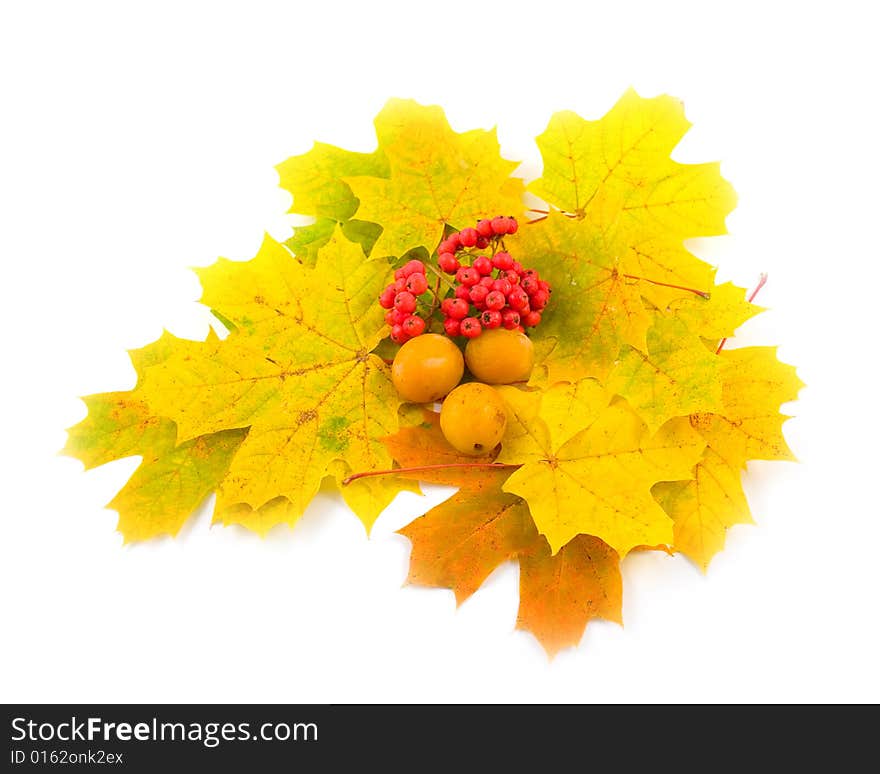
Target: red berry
414	325
416	283
509	318
482	243
518	299
491	318
484	228
495	300
471	328
386	300
502	286
502	261
454	241
539	299
399	284
398	334
468	237
398	274
530	284
478	295
482	264
452	327
446	247
512	277
405	302
518	268
448	262
413	267
394	317
467	275
512	225
463	291
531	319
499	225
458	309
487	282
446	305
545	286
530	273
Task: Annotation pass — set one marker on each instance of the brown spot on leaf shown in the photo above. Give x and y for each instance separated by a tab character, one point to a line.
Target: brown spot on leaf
306	416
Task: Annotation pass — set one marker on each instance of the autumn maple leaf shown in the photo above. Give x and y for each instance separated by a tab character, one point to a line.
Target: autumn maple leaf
747	427
291	396
588	465
437	177
459	543
616	174
171	480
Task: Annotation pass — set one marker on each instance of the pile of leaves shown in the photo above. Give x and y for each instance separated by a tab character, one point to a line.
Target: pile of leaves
633	432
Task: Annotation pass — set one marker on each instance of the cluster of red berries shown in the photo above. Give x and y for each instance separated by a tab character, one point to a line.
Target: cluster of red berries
492	292
400	298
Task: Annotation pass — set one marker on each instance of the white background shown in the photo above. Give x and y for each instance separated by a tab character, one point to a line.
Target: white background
139	139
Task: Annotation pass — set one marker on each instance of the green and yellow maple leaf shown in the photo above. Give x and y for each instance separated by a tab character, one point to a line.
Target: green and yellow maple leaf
594	309
596	479
676	375
171	481
747	427
297	370
437	178
315	179
165	490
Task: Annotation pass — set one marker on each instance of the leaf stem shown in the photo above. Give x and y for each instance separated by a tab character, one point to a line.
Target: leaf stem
701	293
441	277
426	468
762	280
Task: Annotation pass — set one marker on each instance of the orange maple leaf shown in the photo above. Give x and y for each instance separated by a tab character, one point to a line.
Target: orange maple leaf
458	544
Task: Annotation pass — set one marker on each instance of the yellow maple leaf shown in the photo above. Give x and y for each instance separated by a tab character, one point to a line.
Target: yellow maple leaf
437	177
595	479
296	369
748	427
616	174
718	316
624	158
